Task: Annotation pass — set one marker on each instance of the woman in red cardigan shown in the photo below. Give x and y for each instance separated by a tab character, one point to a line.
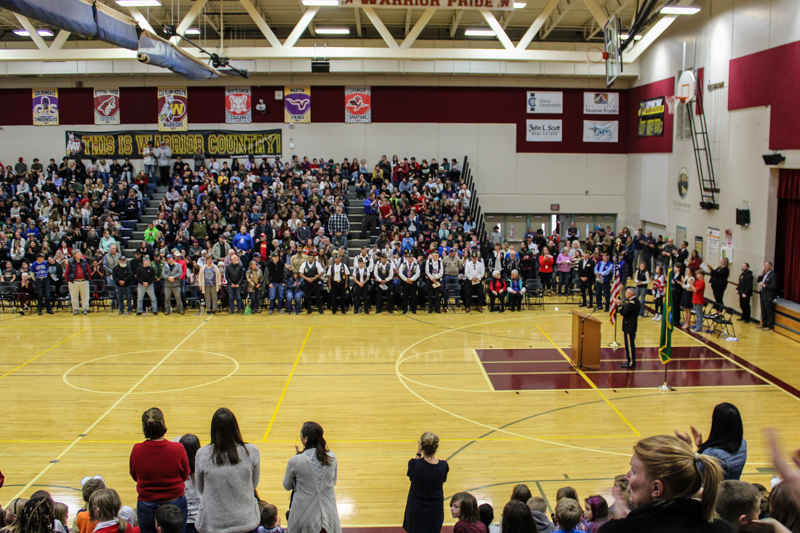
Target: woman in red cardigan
546	268
160	468
497	290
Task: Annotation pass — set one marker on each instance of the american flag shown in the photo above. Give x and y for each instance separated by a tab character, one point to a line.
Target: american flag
615	288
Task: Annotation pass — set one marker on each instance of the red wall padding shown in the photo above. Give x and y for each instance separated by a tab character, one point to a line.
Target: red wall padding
453	105
644	145
772	78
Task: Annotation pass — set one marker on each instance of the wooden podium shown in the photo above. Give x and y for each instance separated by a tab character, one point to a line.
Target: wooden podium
585	341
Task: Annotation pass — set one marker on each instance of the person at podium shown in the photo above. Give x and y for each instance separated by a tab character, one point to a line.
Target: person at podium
629	309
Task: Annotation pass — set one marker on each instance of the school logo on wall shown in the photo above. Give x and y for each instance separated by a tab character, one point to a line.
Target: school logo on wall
173	106
600	132
297	105
357	105
106	106
683	183
601	103
238	106
545	102
45	107
74	143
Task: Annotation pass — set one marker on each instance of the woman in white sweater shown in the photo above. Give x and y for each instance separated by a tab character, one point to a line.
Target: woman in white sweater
227	473
311	475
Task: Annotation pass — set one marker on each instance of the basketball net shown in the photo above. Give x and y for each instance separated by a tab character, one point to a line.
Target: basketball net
672	103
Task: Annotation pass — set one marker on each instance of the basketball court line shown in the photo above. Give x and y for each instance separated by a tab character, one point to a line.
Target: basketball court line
465	419
589	381
288	380
478	359
108	411
53	347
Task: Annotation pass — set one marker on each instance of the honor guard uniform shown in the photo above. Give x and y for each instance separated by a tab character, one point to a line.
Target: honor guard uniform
409	274
384	273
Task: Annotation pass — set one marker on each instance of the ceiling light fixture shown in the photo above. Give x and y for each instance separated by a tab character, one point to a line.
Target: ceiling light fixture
42	33
192	31
624	37
519	5
139	3
332	31
480	32
678	10
323	3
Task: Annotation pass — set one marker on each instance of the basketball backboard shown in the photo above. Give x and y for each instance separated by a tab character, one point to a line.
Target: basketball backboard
613	52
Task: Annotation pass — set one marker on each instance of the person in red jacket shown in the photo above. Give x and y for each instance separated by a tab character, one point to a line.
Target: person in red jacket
160	468
104	506
699	300
497	291
546	268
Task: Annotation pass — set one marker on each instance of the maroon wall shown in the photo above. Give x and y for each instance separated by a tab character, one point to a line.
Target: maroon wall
770	78
453	105
644	145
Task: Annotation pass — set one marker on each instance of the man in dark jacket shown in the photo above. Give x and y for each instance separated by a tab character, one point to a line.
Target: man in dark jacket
275	277
234	273
586	277
146	277
123	281
745	291
630	323
768	282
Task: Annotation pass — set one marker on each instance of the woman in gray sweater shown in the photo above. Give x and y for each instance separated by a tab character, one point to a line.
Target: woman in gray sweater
311	474
227	472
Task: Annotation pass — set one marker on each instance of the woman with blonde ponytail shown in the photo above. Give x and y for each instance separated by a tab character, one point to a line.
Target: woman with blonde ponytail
664	478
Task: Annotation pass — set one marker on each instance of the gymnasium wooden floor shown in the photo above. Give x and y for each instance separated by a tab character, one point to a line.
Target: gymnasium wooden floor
73	390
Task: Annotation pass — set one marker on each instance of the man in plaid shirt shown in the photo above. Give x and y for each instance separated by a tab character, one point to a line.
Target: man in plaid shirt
339	222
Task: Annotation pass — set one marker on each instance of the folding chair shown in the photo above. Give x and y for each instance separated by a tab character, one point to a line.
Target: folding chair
574	290
725	322
453	291
534	291
8	295
193	296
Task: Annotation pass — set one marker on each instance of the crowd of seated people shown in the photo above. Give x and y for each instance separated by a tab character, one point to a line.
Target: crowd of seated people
676	483
295	215
55	211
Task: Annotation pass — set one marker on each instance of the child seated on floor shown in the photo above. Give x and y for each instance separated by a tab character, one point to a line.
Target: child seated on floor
270	521
89	485
169	519
568	515
738	503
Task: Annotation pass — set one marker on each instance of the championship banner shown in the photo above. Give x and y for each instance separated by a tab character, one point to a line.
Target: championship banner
173	112
543	130
213	143
601	103
297	105
651	117
45	107
600	132
238	105
357	105
439	5
106	106
545	102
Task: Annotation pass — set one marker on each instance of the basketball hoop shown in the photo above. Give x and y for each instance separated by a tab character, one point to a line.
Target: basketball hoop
673	101
596	55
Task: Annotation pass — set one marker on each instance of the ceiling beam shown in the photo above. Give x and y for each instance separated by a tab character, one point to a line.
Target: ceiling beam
60	39
358	22
595	28
498	30
37	39
261	23
537	25
456	20
189	19
381	27
597	12
408	22
418	27
563	8
307	52
143	22
507	18
301	26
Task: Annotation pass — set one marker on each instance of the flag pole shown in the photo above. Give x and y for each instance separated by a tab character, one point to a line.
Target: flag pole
615	344
667	325
665	387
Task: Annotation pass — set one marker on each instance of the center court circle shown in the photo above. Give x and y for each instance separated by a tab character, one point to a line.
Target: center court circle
124	383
